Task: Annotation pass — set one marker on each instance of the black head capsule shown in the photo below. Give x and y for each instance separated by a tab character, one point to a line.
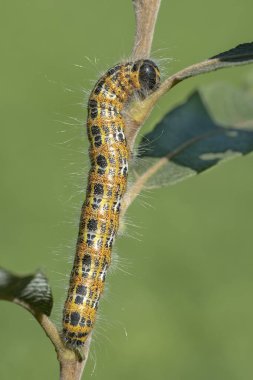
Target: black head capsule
149	77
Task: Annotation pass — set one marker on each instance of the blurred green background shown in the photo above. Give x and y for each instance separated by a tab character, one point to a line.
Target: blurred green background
179	303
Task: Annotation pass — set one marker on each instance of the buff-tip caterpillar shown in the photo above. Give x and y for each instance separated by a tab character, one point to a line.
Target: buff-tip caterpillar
107	182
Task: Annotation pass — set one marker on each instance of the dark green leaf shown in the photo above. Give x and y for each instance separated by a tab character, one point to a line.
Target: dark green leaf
32	291
188	140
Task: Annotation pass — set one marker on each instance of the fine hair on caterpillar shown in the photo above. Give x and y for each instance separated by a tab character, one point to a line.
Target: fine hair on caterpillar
107	182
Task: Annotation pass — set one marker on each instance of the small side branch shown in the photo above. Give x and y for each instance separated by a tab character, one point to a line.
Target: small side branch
141	181
140	111
71	363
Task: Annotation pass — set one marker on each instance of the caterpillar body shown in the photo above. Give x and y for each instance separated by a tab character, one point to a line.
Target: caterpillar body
107	181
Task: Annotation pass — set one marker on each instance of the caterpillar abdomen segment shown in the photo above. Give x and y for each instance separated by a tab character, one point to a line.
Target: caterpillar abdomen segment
99	221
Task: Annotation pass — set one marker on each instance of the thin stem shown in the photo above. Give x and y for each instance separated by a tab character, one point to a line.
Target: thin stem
72	367
146	12
45	322
51	331
191	71
72	363
142	180
140	110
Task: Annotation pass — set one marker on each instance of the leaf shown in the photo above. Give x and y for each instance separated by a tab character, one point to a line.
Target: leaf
188	140
32	292
229	105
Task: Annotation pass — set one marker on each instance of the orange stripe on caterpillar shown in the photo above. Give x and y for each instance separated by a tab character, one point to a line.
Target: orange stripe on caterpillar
107	183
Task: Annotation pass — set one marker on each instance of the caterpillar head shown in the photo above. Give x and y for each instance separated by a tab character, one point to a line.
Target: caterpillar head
149	76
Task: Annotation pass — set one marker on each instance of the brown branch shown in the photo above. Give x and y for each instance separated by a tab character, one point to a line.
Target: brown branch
145	15
191	71
51	331
71	363
71	369
140	110
139	184
45	322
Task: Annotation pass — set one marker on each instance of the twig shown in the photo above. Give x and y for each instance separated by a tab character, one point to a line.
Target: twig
145	14
139	184
45	322
140	110
71	363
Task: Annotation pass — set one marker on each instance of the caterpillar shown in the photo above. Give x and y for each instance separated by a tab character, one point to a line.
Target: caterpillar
107	181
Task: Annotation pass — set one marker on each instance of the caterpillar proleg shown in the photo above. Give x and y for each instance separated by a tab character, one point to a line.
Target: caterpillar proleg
107	181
